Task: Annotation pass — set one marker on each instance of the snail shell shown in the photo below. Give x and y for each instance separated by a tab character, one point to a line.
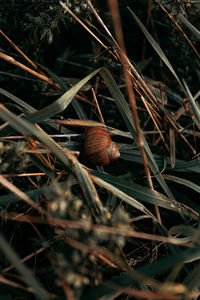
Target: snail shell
98	146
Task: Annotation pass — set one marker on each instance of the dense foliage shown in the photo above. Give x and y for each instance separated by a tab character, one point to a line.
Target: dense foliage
74	230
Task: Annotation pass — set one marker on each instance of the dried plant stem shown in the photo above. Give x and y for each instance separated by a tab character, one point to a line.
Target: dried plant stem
78	20
99	228
119	35
101	22
12	188
147	24
97	105
7	269
22	53
30	174
138	82
20	65
141	294
179	28
15	284
118	31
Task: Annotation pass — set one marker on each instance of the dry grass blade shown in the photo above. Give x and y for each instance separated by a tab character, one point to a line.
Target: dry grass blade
195	109
7	269
23	67
128	119
142	294
149	109
183	181
22	53
130	200
61	103
129	229
179	28
138	81
11	283
89	123
66	157
12	188
118	31
156	47
88	227
172	147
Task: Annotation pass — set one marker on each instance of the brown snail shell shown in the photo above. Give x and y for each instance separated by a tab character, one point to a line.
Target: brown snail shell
99	148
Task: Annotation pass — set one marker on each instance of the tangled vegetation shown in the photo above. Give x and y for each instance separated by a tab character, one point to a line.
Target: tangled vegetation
73	228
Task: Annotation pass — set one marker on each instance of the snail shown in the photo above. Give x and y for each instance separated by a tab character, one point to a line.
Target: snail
98	146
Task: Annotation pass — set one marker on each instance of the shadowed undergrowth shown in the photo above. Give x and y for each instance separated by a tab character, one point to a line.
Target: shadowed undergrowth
74	230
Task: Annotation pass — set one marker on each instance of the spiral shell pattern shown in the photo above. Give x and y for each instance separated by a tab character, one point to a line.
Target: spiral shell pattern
99	148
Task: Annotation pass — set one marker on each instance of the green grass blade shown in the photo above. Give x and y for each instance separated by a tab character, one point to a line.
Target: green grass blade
26	108
193	29
162	161
128	119
166	263
172	147
130	200
145	194
69	162
61	103
75	103
142	273
22	269
195	109
29	109
183	181
188	166
156	47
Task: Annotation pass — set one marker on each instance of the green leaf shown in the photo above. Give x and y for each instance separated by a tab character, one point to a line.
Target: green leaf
130	200
184	182
189	26
172	147
61	103
128	119
195	109
75	103
29	109
163	161
145	194
25	108
69	162
166	263
156	47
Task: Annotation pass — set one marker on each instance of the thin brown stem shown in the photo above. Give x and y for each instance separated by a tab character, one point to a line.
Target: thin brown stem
20	65
21	52
113	4
98	108
179	28
119	35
